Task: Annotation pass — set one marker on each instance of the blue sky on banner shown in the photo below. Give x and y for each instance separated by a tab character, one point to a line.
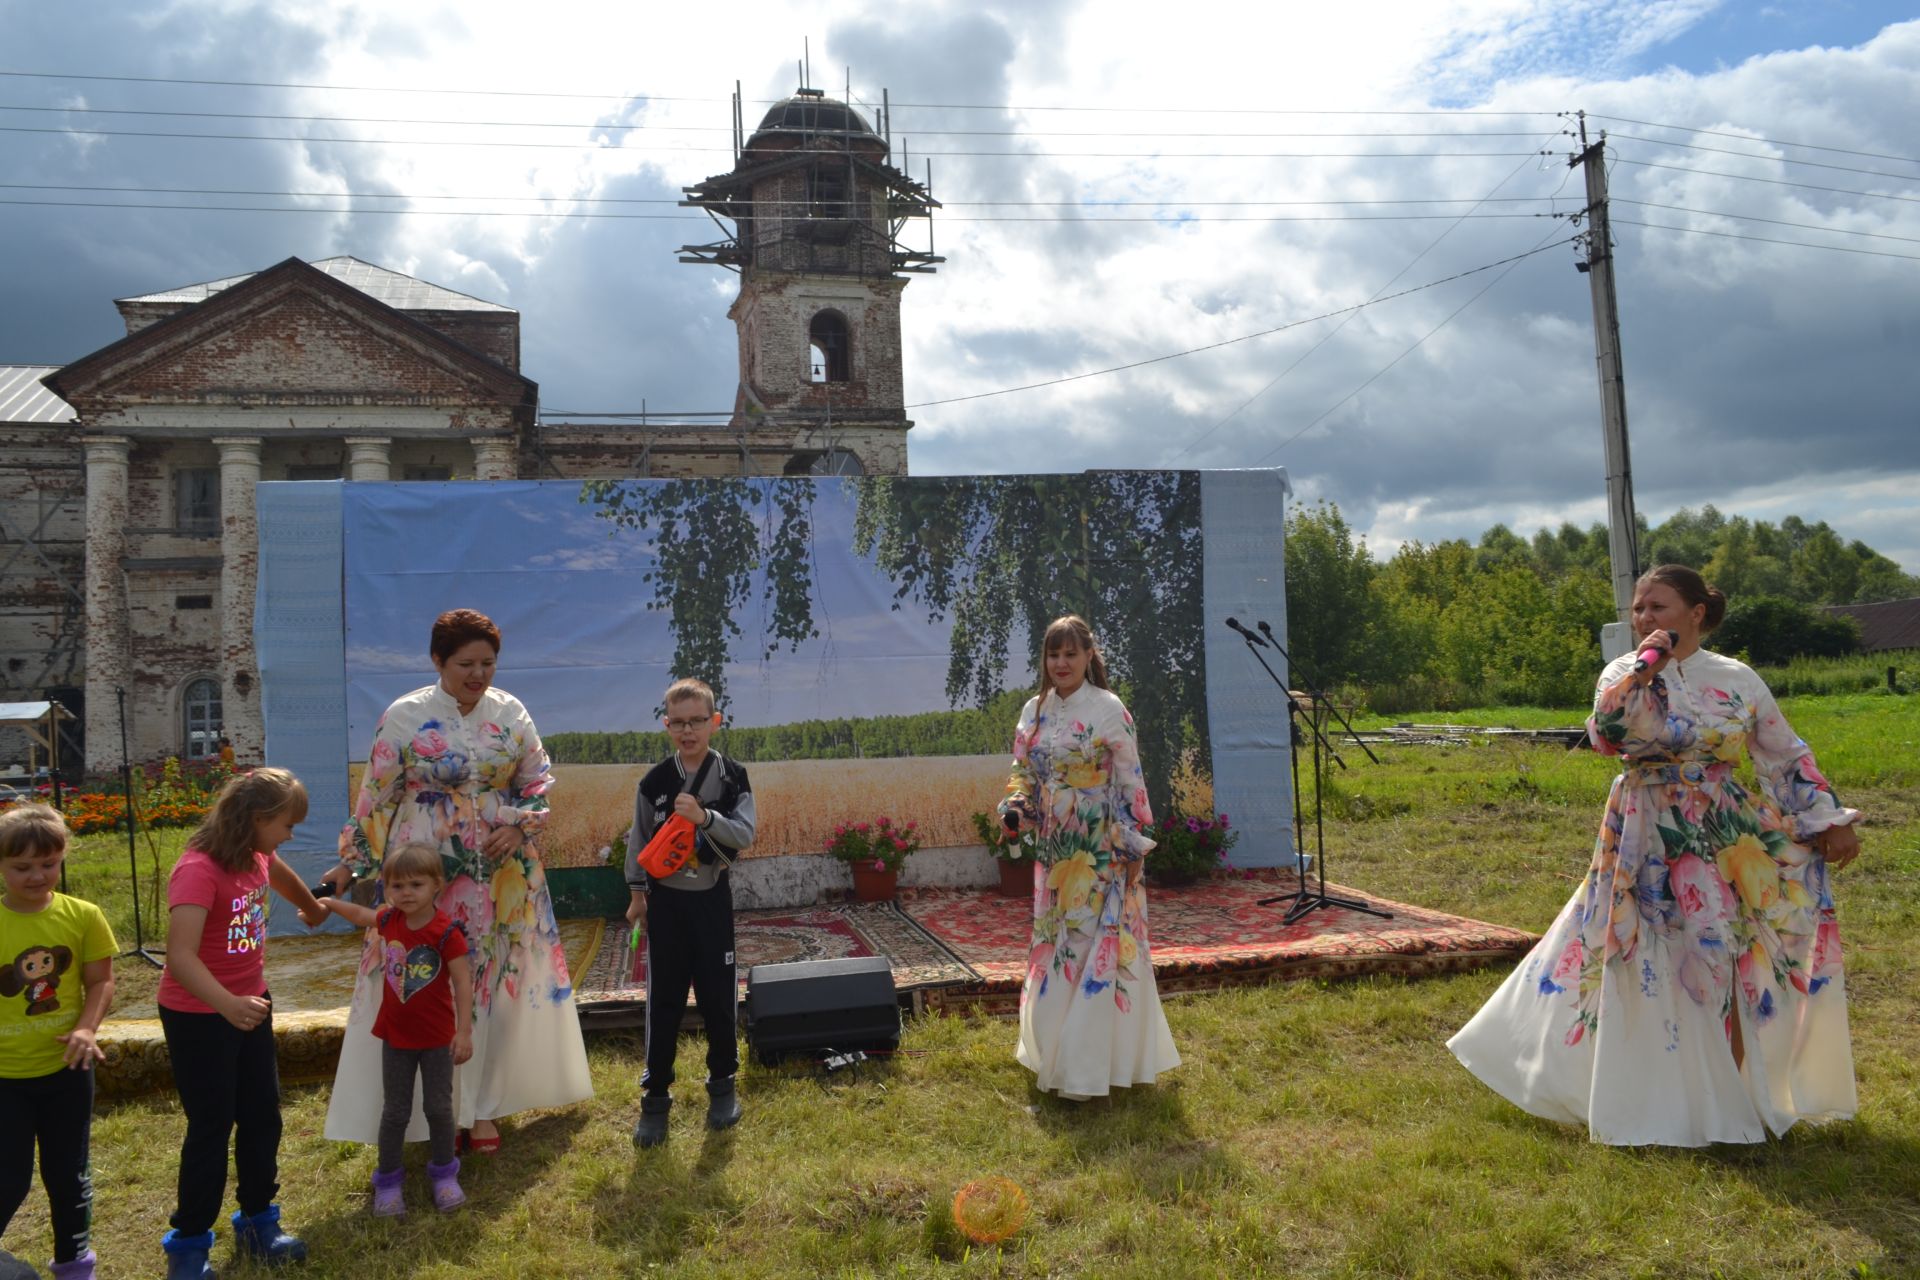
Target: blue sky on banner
1764	376
579	645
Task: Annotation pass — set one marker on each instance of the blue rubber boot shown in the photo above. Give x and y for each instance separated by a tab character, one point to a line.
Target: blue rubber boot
187	1256
259	1236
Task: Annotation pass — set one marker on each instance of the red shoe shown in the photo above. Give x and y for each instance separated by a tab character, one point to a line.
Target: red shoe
478	1146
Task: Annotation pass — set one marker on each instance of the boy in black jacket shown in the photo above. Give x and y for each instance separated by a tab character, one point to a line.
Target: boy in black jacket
689	914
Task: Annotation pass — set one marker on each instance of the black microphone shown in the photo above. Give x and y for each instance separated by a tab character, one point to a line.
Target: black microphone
1262	624
1650	655
1251	638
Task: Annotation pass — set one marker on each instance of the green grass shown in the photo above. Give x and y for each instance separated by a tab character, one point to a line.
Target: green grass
1314	1130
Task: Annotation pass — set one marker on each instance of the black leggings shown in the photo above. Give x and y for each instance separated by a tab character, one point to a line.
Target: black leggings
229	1086
397	1068
56	1111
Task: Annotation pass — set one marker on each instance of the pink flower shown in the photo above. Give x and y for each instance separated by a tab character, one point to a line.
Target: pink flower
1223	822
1698	889
861	827
879	864
1568	966
911	825
1039	959
1121	1000
429	742
382	757
1106	953
885	823
840	830
1574	1036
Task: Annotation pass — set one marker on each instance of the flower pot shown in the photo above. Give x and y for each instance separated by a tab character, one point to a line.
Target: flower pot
870	885
1016	877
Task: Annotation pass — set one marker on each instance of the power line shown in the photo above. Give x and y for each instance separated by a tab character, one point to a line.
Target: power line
765	204
728	150
1156	109
1174	221
1748	155
1778	222
1331	334
1247	337
1744	137
1772	182
600	125
1511	263
1797	244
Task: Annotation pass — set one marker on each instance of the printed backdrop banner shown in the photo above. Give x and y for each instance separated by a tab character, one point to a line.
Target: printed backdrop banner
871	639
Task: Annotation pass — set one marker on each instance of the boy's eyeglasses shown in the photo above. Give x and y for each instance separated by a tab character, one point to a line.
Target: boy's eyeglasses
683	726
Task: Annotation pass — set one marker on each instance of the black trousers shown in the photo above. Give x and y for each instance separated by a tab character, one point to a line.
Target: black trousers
229	1086
56	1112
690	944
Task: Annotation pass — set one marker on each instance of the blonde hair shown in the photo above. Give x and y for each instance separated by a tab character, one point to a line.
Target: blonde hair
680	690
226	833
1071	628
413	860
32	831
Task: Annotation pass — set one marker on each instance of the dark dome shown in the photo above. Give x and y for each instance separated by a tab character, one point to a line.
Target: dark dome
812	113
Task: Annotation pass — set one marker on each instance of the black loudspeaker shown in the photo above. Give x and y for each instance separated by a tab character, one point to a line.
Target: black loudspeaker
821	1006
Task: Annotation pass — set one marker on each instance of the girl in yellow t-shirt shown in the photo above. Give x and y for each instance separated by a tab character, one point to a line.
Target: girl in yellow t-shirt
56	981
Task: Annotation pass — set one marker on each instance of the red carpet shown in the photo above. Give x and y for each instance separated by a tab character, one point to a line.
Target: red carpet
1212	934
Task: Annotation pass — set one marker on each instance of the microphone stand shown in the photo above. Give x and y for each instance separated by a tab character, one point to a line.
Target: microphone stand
1303	898
133	853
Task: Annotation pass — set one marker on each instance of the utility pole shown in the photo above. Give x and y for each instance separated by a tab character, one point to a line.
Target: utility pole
1621	530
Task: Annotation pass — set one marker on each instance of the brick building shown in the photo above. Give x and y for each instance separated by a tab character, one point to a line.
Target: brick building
127	533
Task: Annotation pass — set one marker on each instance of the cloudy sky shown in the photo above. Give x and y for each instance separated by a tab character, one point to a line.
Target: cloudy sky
1122	181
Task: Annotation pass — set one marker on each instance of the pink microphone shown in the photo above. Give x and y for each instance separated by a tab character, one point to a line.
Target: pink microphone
1650	655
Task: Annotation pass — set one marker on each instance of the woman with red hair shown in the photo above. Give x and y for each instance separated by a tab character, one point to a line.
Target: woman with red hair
458	765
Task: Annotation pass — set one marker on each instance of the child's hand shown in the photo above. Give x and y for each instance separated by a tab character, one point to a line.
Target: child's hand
246	1012
82	1051
315	916
462	1047
637	909
690	809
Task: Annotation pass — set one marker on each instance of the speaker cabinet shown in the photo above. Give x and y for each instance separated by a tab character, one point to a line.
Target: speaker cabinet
817	1006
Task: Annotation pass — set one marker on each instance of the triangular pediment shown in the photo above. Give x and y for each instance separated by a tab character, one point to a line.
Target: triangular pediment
289	335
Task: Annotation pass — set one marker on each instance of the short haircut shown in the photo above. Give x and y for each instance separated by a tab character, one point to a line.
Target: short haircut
32	831
413	860
681	690
455	629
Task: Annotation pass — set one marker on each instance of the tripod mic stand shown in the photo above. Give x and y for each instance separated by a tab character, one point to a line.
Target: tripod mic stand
1305	899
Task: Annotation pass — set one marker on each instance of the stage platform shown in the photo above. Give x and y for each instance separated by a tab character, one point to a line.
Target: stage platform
951	950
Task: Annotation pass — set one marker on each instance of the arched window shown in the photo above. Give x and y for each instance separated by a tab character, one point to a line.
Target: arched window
202	721
830	356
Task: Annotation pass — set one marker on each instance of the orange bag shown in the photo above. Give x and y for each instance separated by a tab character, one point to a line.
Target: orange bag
673	844
669	849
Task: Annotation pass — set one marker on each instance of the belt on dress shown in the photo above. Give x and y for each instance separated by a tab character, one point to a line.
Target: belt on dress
1693	772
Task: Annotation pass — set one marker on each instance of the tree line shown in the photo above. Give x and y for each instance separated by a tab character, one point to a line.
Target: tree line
969	731
1515	621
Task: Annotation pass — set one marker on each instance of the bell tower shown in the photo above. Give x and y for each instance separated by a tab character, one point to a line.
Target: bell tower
817	209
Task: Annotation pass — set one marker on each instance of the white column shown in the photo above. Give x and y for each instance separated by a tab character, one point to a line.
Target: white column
109	630
493	458
369	458
239	572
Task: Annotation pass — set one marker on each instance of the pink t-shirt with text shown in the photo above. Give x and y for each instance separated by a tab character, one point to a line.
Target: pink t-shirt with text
233	945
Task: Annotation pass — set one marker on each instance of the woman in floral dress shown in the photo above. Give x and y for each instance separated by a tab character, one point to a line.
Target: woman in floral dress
1691	992
459	765
1090	1016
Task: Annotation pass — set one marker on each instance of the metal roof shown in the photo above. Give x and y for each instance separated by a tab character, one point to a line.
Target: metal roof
1891	624
24	399
403	293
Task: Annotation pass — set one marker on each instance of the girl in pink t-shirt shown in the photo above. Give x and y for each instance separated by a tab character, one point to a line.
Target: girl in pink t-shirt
218	1019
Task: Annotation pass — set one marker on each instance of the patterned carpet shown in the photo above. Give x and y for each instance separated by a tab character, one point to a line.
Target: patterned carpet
782	935
1214	934
955	949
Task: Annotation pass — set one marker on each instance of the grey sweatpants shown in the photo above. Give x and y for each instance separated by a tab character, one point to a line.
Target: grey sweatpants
397	1069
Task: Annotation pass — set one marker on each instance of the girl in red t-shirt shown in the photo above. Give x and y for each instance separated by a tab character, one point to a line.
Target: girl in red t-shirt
425	1021
218	1019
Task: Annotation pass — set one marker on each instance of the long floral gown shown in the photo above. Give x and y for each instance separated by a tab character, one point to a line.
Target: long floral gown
1090	1017
440	778
1704	903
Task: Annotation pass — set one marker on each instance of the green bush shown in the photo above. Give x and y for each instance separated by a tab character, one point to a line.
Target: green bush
1771	631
